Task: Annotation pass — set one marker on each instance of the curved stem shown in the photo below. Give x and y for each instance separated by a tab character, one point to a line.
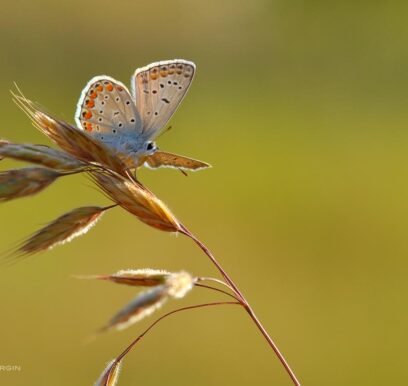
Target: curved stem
245	304
216	289
125	352
204	278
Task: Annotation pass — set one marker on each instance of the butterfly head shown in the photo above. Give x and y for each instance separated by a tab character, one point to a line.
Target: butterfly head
134	154
149	148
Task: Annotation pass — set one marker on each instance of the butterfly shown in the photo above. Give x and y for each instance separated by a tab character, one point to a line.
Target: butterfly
130	122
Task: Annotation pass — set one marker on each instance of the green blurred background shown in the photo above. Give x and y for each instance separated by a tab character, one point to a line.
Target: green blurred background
300	106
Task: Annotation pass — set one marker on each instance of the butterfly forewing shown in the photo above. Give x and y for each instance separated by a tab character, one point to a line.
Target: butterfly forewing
106	110
158	90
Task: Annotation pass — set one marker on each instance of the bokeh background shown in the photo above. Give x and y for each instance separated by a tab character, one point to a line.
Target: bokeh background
300	106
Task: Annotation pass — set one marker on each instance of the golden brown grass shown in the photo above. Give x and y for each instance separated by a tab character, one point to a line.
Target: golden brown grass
138	200
135	277
80	153
168	285
70	139
110	375
17	183
41	155
62	230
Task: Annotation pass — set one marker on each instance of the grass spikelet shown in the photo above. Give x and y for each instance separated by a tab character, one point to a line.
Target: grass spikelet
74	141
40	154
110	374
179	284
136	278
176	285
143	305
62	230
16	183
137	200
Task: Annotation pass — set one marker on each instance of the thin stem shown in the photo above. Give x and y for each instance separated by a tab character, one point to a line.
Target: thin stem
126	351
216	289
204	278
245	304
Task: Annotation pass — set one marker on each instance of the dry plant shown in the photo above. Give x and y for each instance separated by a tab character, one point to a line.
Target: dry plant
62	230
79	153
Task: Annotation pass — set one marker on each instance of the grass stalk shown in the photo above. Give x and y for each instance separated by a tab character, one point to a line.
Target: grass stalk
245	304
127	349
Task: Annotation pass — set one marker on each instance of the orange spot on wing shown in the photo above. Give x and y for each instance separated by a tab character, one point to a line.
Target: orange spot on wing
90	103
154	74
100	88
93	95
88	126
109	87
88	115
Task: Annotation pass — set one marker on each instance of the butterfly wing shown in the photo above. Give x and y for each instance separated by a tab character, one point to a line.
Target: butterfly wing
165	159
158	89
106	110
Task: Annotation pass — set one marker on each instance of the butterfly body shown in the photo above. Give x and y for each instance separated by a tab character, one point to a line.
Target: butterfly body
129	122
131	150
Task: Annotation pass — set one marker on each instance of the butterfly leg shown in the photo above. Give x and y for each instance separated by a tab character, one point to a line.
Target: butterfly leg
183	172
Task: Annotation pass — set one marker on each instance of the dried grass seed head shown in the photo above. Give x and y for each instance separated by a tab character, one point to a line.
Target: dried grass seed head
179	284
40	154
110	374
69	138
62	230
176	285
24	182
140	277
143	305
137	200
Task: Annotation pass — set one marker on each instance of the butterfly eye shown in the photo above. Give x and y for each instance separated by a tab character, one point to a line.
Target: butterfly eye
150	146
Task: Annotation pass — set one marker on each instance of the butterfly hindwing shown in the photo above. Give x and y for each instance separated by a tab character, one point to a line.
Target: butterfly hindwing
158	89
166	159
106	110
